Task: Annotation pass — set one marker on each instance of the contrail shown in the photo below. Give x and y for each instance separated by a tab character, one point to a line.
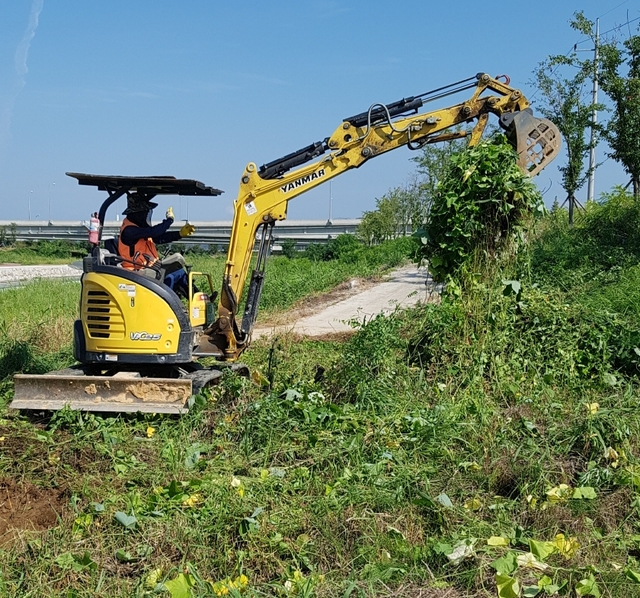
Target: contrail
20	61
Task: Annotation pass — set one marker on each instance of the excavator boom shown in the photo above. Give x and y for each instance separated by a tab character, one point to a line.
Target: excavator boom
265	192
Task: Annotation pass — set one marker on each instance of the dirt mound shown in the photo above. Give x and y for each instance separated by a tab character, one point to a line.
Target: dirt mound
25	507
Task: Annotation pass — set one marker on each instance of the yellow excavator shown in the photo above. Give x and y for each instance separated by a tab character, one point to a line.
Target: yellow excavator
138	345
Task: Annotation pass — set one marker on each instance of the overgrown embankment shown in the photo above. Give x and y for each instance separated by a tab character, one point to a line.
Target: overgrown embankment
484	446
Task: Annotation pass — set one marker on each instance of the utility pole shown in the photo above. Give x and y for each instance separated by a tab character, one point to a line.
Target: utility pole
50	201
594	118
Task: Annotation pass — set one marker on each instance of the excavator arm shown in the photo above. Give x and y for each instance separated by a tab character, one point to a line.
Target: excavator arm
266	191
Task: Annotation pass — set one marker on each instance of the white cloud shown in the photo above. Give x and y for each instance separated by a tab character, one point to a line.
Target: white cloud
20	61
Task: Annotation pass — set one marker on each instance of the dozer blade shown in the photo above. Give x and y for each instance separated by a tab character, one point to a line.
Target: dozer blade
536	140
124	394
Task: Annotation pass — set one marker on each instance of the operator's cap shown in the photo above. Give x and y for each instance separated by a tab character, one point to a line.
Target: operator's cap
136	202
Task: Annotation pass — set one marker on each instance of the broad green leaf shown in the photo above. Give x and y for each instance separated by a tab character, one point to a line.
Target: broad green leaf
507	587
512	287
180	586
85	562
584	492
97	507
632	575
530	591
443	548
498	541
460	552
124	556
544	582
506	565
192	458
542	550
588	587
65	560
128	521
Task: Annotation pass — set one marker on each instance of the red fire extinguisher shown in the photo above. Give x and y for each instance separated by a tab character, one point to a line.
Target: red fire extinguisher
94	229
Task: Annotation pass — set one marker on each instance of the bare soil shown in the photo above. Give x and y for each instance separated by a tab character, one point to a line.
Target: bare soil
25	507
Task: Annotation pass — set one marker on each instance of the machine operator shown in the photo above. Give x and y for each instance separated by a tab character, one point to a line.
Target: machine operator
138	239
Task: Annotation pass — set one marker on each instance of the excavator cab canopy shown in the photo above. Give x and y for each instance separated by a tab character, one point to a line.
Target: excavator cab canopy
149	186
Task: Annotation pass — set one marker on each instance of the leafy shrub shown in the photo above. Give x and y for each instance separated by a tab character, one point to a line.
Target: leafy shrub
289	248
56	248
605	237
344	247
502	336
482	204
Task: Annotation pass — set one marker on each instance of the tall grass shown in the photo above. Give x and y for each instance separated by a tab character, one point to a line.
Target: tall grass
42	252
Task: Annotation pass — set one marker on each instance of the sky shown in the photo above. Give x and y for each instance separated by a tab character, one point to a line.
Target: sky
198	89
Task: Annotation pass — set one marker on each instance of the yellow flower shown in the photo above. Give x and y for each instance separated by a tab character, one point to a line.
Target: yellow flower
558	493
473	505
237	484
592	408
150	431
192	500
153	578
566	546
611	454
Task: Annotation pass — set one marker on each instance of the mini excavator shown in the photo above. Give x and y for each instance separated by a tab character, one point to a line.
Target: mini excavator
139	347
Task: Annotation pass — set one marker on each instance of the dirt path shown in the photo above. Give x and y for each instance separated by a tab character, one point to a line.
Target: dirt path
330	314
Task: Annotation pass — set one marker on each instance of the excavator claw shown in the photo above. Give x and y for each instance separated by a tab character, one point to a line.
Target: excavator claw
536	140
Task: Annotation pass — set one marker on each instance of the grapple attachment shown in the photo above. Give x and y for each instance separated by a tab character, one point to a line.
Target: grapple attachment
536	140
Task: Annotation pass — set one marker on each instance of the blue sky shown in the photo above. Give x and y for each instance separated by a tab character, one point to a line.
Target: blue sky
197	89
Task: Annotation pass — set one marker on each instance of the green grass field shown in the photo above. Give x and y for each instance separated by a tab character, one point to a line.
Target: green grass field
484	446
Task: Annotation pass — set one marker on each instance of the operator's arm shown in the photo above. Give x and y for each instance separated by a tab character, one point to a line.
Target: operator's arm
159	233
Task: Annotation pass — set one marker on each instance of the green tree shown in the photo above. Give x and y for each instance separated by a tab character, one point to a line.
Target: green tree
563	82
289	248
618	72
620	80
384	222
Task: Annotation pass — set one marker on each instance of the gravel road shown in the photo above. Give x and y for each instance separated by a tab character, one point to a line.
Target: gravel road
11	273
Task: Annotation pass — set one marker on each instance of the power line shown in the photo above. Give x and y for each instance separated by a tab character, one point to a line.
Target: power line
610	30
589	39
619	5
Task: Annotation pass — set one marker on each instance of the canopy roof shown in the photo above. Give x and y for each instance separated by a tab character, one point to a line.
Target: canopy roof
147	185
